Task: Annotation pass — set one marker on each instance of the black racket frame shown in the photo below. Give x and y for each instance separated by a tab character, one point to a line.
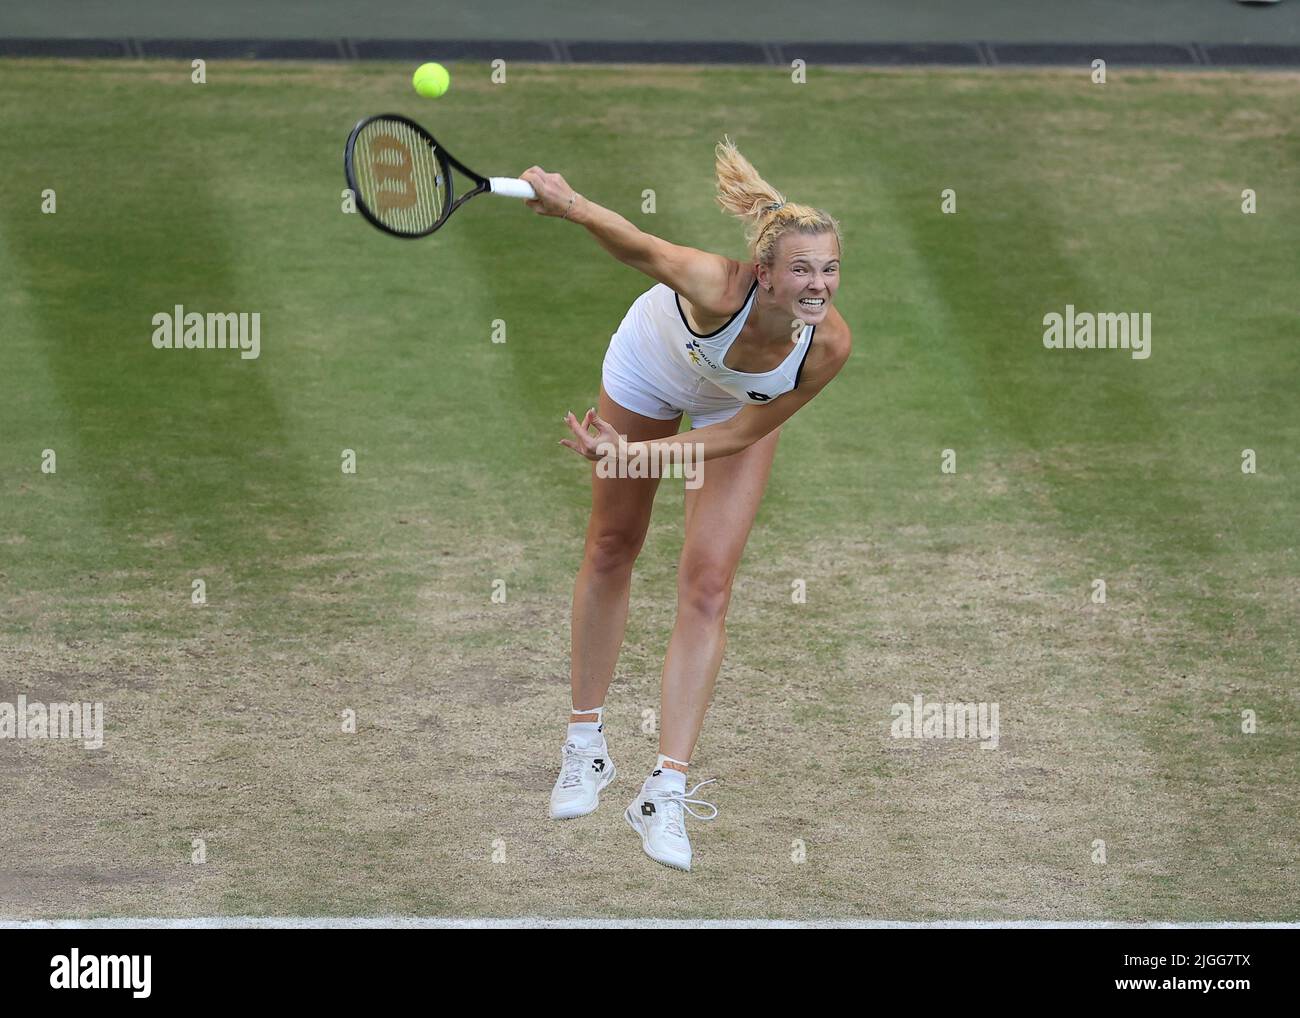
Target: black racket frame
446	161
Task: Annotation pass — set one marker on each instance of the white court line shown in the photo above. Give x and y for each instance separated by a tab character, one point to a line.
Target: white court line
543	923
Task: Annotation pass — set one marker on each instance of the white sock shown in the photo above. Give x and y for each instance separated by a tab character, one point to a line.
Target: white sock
588	733
667	777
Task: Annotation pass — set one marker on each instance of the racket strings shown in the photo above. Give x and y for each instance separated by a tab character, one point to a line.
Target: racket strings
399	176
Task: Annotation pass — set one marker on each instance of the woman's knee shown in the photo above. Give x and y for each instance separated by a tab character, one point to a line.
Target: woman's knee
614	550
704	589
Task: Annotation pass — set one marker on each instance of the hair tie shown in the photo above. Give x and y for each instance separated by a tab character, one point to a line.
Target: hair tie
776	206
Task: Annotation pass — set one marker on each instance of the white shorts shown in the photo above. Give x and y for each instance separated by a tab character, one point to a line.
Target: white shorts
651	383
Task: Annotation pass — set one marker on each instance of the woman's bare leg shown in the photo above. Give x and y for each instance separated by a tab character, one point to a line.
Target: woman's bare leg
719	515
620	516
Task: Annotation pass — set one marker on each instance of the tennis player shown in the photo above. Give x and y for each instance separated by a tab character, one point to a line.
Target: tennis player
738	346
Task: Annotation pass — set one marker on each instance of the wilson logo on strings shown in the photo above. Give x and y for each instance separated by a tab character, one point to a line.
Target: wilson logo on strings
391	163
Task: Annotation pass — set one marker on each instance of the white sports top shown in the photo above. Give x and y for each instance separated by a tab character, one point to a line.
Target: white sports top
658	318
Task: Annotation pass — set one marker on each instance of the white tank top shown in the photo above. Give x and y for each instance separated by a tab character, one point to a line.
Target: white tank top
657	317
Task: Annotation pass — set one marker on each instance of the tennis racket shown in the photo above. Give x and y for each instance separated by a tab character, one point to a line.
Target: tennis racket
401	176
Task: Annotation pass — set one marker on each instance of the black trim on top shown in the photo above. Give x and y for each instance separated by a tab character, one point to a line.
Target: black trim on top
805	356
677	299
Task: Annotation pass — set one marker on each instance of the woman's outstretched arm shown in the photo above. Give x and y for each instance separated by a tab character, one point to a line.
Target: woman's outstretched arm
702	278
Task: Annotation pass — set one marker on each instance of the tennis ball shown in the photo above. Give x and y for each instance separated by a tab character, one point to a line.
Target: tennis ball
431	80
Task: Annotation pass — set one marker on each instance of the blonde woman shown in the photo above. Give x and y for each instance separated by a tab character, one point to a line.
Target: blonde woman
739	346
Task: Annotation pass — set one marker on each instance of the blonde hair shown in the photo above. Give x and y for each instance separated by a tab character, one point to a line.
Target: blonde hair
746	195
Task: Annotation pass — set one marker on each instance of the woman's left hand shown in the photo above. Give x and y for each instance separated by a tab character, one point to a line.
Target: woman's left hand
587	443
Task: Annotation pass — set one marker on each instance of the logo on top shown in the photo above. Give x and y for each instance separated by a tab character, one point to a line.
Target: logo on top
696	353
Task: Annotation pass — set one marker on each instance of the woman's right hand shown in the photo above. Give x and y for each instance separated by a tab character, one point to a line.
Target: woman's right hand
554	196
587	444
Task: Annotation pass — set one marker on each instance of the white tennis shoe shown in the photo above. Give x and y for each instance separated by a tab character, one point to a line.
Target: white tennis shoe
584	773
658	814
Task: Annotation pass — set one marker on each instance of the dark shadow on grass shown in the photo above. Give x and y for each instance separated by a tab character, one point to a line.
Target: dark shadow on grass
998	272
183	450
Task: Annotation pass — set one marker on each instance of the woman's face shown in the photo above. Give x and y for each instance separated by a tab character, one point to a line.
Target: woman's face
805	274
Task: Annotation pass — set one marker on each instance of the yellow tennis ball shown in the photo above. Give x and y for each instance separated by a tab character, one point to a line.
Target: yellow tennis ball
431	80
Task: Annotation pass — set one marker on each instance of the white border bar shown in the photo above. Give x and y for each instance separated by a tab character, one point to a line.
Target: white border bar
544	923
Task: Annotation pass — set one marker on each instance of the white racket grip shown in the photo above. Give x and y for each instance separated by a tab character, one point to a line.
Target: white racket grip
511	187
